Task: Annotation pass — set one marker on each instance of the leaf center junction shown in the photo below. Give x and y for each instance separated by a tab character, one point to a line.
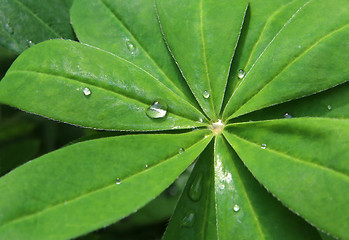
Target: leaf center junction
217	127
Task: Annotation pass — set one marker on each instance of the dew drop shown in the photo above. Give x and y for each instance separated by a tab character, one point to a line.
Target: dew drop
157	110
329	107
118	181
236	208
195	189
241	74
130	46
146	166
201	120
181	150
87	91
287	115
263	146
8	28
206	94
30	43
188	220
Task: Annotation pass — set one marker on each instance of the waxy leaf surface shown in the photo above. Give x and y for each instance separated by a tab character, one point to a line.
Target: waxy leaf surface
108	179
307	158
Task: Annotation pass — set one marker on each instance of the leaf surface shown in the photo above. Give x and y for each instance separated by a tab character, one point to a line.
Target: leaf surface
305	53
307	159
133	33
202	36
27	22
108	179
51	79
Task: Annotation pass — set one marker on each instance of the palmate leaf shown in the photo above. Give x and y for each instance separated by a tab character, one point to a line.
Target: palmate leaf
288	50
108	179
27	22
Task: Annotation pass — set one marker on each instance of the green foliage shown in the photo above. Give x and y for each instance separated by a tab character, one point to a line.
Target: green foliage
254	90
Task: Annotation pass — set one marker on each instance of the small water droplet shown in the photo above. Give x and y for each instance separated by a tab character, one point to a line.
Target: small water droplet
287	115
263	146
201	120
118	181
236	208
65	202
329	107
241	74
299	46
146	166
206	94
30	43
8	28
188	220
130	46
157	110
86	91
196	188
181	150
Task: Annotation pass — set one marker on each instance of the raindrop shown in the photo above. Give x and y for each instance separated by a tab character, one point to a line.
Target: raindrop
157	110
236	208
188	220
241	74
206	94
130	46
201	120
263	146
118	181
287	115
329	107
181	150
8	28
86	91
146	166
196	188
30	43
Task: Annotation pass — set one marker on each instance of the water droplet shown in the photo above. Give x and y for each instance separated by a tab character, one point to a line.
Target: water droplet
181	150
86	91
236	208
329	107
118	181
241	74
201	120
196	188
188	220
30	43
8	28
65	202
206	94
299	46
287	115
130	46
157	110
146	166
263	146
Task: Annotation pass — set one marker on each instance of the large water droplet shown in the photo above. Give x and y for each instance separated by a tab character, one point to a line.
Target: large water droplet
188	220
87	91
8	28
236	208
206	94
181	150
157	110
287	115
263	146
118	181
241	74
329	107
196	188
130	46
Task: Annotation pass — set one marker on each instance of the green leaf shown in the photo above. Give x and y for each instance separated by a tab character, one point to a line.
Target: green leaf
329	104
51	78
133	31
27	22
108	179
303	162
194	216
305	56
202	45
226	202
